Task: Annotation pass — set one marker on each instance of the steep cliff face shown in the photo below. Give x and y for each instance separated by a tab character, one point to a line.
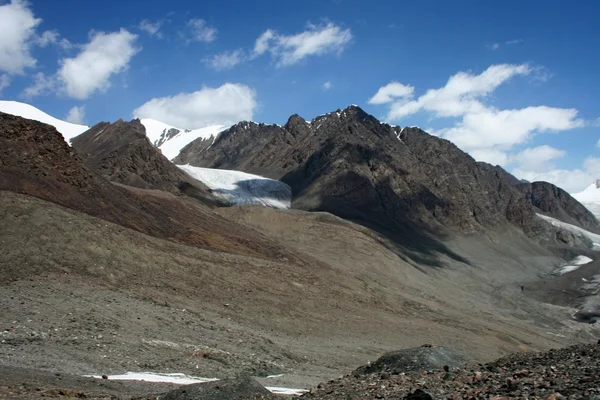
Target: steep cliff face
121	152
555	202
36	161
350	164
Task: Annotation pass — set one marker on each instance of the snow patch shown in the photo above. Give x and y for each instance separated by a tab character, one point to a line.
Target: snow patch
182	379
286	391
573	265
590	193
595	238
179	379
171	147
66	129
241	188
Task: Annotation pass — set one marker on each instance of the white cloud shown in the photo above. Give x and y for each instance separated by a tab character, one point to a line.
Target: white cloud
76	115
492	128
105	55
496	46
42	85
262	44
52	37
598	143
315	41
4	82
200	31
572	181
225	60
327	85
461	93
486	132
537	159
151	28
392	91
17	36
227	104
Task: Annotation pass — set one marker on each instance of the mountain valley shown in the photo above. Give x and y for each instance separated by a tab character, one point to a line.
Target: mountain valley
289	253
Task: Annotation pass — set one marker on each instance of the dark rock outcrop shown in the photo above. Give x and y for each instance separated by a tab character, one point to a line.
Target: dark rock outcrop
121	152
415	359
235	389
350	164
36	161
557	203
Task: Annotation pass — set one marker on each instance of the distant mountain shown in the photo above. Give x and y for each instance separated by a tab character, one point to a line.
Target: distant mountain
36	161
122	153
171	140
67	129
590	197
399	180
553	201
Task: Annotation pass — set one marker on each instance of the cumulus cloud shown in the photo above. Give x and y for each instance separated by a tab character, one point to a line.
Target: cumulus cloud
225	60
327	85
4	82
392	91
460	95
17	37
571	180
224	105
317	40
42	85
52	38
537	159
200	31
151	28
76	115
486	132
105	55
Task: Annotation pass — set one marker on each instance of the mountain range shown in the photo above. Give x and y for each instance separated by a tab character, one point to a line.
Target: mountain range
290	249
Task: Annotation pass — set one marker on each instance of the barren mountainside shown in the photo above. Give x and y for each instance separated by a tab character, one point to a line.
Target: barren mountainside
397	179
122	153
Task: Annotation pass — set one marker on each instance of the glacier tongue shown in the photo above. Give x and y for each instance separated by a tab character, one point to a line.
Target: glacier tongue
241	188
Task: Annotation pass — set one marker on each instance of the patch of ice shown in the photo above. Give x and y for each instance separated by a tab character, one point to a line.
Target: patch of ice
182	379
179	379
286	391
581	260
241	188
595	238
568	268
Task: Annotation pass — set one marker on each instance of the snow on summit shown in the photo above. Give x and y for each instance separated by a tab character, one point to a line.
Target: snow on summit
171	140
67	129
590	193
590	198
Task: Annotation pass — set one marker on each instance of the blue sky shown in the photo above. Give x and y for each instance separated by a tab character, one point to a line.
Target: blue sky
513	83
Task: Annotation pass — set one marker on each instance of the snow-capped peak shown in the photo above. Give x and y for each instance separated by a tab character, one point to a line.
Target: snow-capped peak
591	193
171	140
67	129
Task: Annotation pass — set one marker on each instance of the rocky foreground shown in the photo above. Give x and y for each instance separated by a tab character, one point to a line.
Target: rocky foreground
569	373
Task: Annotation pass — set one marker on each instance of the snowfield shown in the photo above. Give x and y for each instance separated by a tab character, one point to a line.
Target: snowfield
182	379
67	129
156	131
241	188
595	238
590	198
574	265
